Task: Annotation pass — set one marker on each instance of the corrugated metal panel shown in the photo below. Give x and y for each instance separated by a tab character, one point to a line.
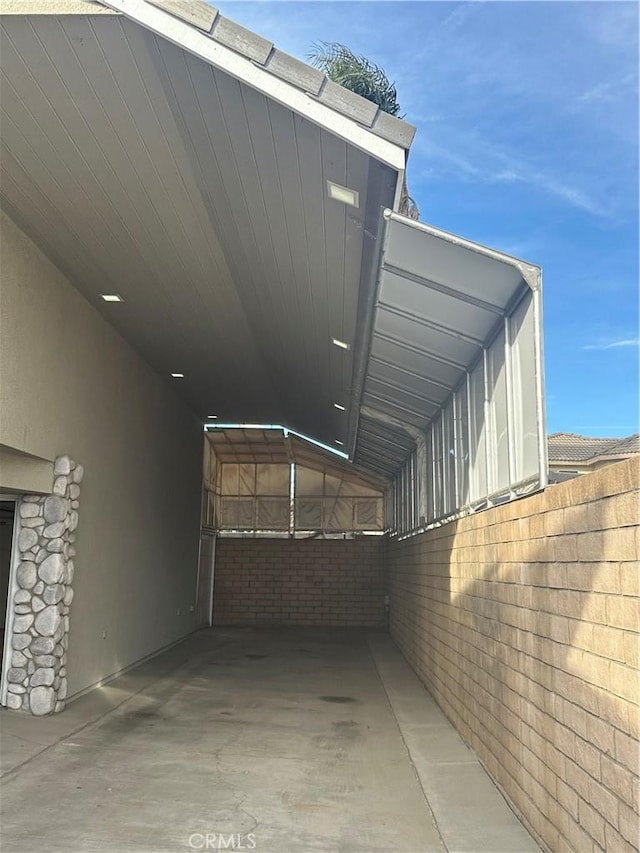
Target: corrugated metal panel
251	474
382	447
455	368
246	445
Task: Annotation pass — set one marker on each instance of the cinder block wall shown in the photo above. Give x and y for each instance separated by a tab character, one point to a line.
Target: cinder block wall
300	582
522	621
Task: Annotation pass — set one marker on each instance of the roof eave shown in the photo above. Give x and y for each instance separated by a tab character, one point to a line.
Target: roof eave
202	44
54	7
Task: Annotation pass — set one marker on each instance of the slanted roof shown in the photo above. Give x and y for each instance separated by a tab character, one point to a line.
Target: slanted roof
274	446
629	445
205	18
161	152
440	302
174	158
571	447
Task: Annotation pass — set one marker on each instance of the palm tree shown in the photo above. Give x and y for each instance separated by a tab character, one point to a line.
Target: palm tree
365	78
356	73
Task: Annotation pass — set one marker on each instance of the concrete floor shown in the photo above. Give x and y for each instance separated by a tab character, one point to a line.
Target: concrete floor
274	740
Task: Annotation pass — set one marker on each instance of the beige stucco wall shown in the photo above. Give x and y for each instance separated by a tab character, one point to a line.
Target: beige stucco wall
69	384
24	474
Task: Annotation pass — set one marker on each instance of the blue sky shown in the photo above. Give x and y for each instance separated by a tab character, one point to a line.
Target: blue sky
527	141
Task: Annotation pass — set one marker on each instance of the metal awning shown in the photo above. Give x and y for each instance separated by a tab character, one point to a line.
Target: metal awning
277	446
455	349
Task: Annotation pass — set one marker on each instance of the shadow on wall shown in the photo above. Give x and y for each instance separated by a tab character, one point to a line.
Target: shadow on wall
522	621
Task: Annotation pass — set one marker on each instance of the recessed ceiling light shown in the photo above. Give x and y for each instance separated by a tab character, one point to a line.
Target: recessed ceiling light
111	297
341	443
340	344
212	417
338	407
343	194
178	375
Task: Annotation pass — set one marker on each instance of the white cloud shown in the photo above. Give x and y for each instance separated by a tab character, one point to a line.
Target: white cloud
625	342
461	13
538	94
470	158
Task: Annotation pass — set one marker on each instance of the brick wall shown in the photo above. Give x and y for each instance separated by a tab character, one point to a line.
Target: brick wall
522	621
300	582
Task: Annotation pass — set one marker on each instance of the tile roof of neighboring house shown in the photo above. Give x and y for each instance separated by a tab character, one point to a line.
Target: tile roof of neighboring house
206	19
570	447
631	444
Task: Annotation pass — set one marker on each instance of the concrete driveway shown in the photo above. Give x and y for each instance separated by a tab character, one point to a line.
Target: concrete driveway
268	739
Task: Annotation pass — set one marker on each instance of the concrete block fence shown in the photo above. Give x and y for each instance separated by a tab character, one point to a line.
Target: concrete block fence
522	621
300	582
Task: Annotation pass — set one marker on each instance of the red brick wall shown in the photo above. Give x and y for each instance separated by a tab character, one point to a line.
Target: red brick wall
300	582
523	623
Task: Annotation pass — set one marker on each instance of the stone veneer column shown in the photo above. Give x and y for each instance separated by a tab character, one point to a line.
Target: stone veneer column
37	678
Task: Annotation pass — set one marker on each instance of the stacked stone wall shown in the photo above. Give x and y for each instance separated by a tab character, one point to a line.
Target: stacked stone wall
42	594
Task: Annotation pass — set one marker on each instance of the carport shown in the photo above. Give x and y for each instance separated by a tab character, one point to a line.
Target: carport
209	234
233	214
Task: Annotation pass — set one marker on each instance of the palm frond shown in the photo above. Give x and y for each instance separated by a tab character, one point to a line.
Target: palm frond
365	78
356	73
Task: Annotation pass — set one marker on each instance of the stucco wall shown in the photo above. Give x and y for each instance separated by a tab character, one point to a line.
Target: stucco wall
71	385
523	623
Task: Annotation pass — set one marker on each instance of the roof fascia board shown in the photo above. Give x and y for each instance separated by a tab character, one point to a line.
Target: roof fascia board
374	224
201	45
